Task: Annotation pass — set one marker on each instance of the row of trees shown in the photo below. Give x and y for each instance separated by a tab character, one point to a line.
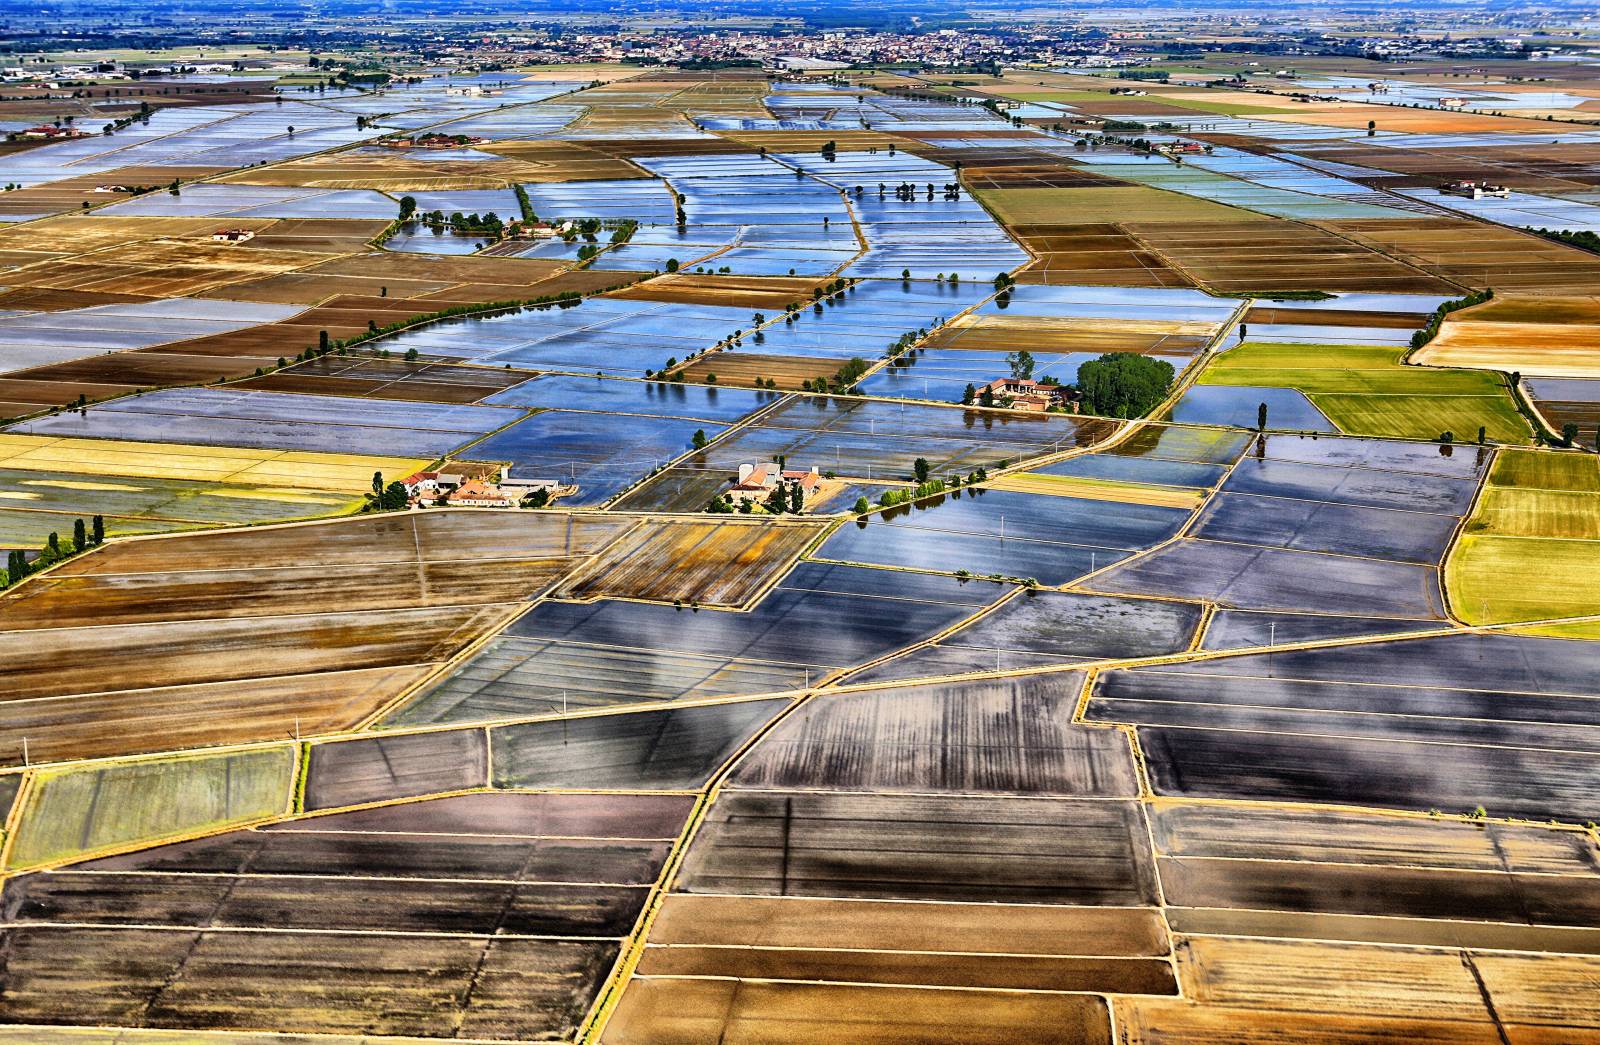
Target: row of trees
55	550
1431	330
844	379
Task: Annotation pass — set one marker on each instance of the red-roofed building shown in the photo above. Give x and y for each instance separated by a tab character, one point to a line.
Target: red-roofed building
1025	394
757	481
475	493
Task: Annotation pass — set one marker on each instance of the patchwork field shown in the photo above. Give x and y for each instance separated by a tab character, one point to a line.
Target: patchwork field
725	564
1476	255
241	634
1023	725
1267	255
1102	254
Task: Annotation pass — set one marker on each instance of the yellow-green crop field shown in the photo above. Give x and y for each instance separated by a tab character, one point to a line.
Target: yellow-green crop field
1531	549
1367	390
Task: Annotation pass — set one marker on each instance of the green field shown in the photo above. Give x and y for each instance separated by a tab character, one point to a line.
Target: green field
1537	513
1495	580
93	807
1533	470
1531	549
1366	390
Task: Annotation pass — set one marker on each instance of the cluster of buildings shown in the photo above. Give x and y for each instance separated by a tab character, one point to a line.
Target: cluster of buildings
430	141
757	481
488	491
1021	393
1474	190
48	132
785	48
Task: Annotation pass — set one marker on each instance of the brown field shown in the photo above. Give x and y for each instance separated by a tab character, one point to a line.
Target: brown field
162	268
143	369
435	268
1333	317
385	767
1153	1021
734	96
925	739
743	368
556	161
110	596
1100	205
1279	255
401	539
25	395
1427	168
475	946
318	235
390	170
236	354
1026	171
1477	254
858	965
87	233
1551	336
712	563
905	846
304	289
38	300
363	377
1465	931
1181	830
981	928
811	141
163	686
1379	892
70	194
623	120
748	1012
1004	333
582	281
623	146
1550	989
1094	255
159	715
160	627
1333	978
773	293
1419	121
1557	412
1569	163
